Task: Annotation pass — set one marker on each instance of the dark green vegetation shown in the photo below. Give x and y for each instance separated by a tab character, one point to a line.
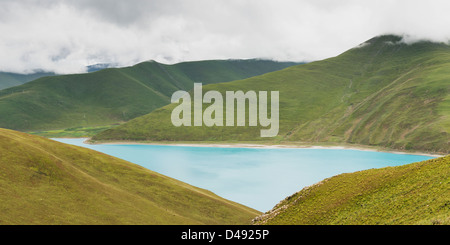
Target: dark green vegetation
76	132
47	182
8	79
384	93
113	95
416	193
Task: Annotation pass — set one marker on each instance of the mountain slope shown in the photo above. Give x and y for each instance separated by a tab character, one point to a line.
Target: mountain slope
416	193
8	79
113	95
383	93
47	182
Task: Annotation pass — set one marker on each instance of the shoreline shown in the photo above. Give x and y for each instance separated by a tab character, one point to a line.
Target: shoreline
266	146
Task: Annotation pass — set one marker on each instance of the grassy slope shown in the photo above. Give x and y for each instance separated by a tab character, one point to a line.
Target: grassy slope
75	132
46	182
385	93
113	95
8	79
416	193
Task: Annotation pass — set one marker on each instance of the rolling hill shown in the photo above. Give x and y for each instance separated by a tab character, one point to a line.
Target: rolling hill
8	79
114	95
47	182
383	93
412	194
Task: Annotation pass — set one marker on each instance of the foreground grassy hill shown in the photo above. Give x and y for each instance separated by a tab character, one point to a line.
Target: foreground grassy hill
382	93
46	182
114	95
8	79
417	193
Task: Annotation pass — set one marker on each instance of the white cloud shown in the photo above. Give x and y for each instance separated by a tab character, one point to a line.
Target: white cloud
65	36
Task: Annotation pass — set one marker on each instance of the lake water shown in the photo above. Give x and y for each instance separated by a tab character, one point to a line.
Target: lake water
258	178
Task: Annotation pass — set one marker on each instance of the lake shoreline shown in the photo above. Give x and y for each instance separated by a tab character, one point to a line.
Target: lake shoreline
266	146
254	174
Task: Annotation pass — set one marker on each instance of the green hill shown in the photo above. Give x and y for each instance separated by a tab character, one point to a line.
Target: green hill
47	182
383	93
412	194
113	95
8	79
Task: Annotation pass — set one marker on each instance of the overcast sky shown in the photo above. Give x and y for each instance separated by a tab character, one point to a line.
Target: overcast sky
65	36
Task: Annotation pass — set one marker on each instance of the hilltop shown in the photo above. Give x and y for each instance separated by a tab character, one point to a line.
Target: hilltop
114	95
47	182
412	194
383	93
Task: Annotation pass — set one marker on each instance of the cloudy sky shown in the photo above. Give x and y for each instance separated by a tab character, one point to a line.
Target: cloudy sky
65	36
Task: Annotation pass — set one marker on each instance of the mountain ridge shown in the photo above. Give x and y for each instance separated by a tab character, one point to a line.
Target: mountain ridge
113	95
340	99
10	79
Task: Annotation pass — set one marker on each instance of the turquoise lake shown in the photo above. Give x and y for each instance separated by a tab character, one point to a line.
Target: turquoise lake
258	178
